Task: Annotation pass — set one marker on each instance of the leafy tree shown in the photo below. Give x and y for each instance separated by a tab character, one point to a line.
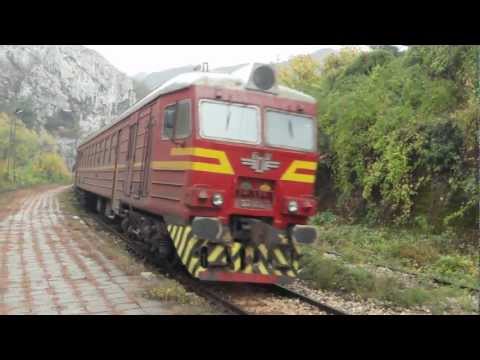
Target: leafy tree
401	133
394	50
36	157
301	72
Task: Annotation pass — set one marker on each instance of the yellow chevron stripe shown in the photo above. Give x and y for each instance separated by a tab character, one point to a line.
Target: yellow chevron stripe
280	257
173	235
223	166
215	253
236	247
291	173
290	273
278	272
192	264
248	269
169	228
183	241
263	250
237	264
191	243
262	268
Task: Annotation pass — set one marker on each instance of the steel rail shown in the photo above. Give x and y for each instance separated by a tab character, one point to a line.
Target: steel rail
282	290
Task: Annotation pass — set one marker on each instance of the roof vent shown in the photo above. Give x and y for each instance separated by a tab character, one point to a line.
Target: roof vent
202	67
262	78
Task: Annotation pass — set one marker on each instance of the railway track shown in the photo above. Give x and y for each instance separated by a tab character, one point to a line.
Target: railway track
323	306
239	299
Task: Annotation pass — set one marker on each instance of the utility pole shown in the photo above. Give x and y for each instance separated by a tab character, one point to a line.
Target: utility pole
13	135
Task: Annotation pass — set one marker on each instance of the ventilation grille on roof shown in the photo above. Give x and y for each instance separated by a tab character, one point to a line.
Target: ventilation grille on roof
262	78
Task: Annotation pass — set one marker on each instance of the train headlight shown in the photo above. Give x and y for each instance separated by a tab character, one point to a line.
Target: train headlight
217	199
292	206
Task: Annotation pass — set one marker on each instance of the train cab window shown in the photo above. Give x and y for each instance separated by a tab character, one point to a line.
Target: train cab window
230	122
289	130
177	121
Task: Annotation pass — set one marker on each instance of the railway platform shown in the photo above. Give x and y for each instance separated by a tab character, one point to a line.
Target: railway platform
44	268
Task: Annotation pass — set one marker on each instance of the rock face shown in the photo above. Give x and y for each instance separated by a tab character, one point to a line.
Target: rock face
70	90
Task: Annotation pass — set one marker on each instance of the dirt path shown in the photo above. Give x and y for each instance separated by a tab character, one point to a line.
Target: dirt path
43	269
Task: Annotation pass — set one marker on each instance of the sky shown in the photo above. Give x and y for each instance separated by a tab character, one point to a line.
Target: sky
134	59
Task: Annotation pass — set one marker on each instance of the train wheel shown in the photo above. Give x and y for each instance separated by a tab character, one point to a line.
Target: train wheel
125	224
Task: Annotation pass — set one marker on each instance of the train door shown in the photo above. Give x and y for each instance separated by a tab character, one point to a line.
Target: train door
144	170
131	152
116	142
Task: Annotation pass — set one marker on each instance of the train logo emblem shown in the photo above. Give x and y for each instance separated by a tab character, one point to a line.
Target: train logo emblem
259	163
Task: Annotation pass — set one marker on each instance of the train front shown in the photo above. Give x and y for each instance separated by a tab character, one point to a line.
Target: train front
250	192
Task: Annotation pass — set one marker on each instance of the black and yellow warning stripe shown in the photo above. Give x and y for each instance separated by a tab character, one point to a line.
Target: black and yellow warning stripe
187	245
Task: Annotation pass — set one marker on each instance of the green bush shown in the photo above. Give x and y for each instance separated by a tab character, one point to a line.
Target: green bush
324	218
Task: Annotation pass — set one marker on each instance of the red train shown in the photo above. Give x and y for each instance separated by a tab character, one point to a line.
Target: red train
212	170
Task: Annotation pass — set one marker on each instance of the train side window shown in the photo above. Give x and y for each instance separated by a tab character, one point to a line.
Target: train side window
177	121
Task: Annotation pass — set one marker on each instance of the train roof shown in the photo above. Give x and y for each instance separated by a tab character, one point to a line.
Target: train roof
236	80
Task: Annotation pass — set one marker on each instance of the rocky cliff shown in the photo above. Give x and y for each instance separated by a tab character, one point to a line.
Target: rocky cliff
68	90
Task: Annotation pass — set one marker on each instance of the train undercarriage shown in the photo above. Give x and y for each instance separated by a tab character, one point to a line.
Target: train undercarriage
248	250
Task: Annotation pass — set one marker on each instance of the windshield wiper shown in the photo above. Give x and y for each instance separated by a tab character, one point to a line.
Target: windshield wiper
290	128
228	117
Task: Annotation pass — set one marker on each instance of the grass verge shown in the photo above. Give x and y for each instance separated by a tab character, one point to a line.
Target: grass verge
332	274
447	256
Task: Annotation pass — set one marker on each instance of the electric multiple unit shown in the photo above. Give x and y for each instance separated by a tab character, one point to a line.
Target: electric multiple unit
214	171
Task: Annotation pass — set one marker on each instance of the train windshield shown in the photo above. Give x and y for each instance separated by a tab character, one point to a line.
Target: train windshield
229	122
290	131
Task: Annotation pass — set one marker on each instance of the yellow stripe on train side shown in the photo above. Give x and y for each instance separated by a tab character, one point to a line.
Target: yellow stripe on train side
291	173
223	166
